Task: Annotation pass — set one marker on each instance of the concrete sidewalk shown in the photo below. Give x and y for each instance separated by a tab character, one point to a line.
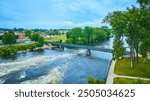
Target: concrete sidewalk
111	75
131	77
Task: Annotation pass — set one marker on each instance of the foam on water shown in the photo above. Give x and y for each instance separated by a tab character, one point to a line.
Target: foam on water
57	68
23	75
2	81
54	76
6	68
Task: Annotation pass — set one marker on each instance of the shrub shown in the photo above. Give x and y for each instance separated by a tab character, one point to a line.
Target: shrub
9	38
91	80
5	51
9	50
41	40
35	36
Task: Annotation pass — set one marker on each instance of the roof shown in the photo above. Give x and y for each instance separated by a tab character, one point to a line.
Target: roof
1	34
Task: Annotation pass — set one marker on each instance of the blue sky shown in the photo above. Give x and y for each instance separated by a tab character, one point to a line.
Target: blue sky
57	13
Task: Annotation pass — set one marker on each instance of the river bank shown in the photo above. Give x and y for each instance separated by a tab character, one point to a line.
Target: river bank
20	48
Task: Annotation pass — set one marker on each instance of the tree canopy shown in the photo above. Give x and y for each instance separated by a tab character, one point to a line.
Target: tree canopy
35	36
28	33
87	35
41	40
9	38
134	24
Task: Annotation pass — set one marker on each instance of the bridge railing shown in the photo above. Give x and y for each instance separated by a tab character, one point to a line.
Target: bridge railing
85	47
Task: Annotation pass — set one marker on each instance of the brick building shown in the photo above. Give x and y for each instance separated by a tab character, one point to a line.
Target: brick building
20	36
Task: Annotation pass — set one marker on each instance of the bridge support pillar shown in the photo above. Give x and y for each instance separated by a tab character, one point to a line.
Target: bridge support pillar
88	53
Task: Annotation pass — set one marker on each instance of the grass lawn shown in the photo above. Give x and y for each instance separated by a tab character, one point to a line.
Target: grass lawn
129	81
56	38
122	67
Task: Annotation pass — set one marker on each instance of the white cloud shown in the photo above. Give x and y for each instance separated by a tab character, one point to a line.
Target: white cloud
58	13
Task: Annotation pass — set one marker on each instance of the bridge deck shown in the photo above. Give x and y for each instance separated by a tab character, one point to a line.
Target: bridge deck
84	47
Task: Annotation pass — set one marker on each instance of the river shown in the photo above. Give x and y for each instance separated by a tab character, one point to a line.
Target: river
70	66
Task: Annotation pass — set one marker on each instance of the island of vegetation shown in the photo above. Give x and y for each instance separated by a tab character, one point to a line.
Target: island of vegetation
88	35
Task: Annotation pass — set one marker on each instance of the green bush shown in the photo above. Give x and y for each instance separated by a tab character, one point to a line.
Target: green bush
41	40
9	38
91	80
39	44
9	50
87	35
5	51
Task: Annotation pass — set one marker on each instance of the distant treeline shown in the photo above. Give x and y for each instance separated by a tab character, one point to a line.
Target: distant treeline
33	30
88	35
15	29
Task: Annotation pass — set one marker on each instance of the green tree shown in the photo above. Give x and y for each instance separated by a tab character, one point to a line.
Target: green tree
88	31
35	36
118	49
41	40
125	23
87	35
91	80
145	27
28	33
132	32
106	30
9	38
100	34
134	24
75	35
145	48
56	32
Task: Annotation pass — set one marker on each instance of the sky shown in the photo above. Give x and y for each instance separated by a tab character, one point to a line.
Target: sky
57	14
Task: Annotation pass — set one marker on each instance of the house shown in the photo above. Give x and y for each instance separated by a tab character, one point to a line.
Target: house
64	31
20	36
1	34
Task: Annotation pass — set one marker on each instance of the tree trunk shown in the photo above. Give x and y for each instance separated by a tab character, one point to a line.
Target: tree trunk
131	57
134	57
137	55
144	60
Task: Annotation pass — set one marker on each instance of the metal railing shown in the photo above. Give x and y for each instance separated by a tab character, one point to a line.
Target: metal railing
84	47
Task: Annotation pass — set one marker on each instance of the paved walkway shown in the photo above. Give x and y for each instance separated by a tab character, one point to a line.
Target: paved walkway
131	77
111	74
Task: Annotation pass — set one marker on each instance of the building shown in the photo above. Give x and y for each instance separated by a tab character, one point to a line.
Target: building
20	37
64	31
1	34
